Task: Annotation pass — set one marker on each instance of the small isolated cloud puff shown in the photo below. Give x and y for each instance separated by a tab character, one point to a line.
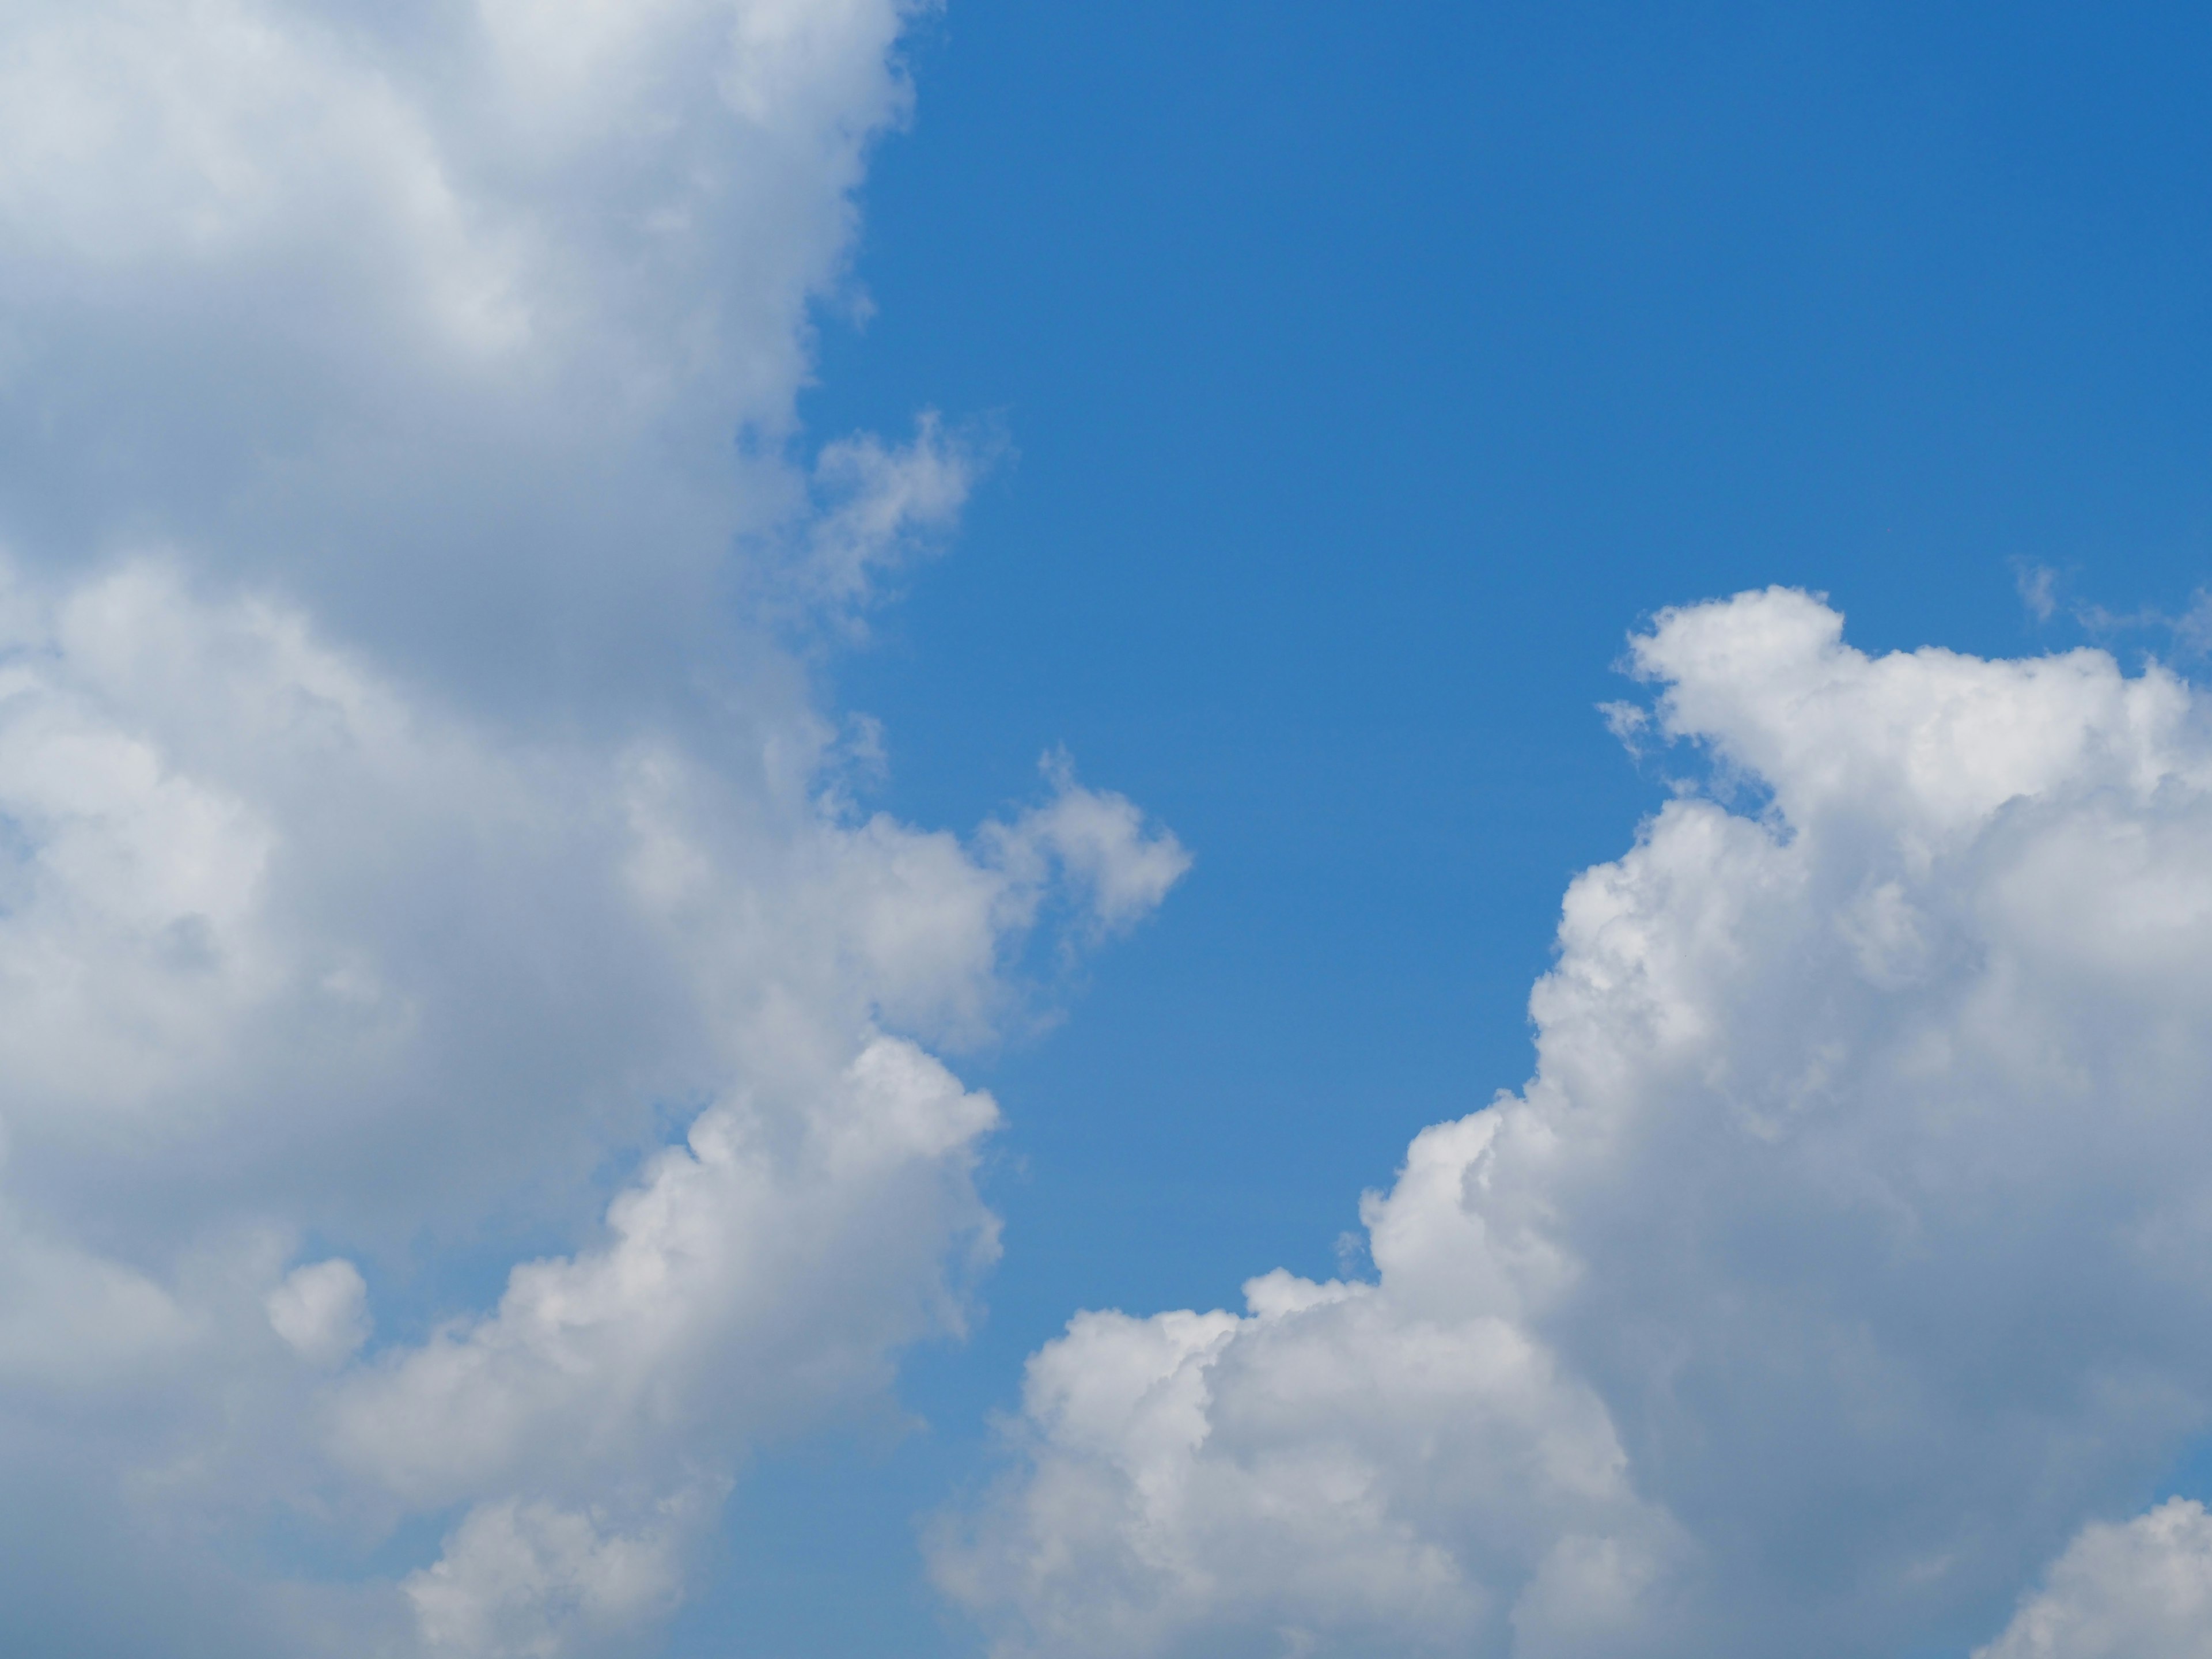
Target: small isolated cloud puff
1843	1254
1122	866
321	1311
2138	1591
875	508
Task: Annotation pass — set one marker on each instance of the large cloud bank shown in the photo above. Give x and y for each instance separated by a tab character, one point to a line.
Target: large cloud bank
1850	1250
466	1067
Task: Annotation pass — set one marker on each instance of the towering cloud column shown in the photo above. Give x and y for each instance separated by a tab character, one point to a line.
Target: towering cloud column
466	1065
1847	1252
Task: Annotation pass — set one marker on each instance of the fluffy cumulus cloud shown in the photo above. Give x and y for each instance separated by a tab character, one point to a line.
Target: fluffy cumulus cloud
470	1068
446	318
2140	1589
1844	1257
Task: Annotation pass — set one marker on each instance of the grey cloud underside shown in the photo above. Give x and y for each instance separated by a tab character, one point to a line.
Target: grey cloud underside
1844	1255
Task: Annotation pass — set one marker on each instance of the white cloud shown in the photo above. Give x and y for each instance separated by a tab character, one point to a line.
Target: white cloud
1844	1253
439	318
536	1583
417	856
321	1310
760	1272
2138	1591
288	951
875	505
1101	842
71	1321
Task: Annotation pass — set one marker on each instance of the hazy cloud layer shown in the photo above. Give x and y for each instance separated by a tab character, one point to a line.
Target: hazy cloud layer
464	1053
1844	1255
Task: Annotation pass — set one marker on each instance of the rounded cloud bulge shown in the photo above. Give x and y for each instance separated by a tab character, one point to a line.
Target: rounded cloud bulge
442	318
469	1068
1840	1269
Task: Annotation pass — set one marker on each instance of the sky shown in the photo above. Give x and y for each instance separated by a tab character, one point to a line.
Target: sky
828	827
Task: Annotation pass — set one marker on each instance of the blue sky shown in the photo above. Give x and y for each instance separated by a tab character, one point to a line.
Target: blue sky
437	779
1369	376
